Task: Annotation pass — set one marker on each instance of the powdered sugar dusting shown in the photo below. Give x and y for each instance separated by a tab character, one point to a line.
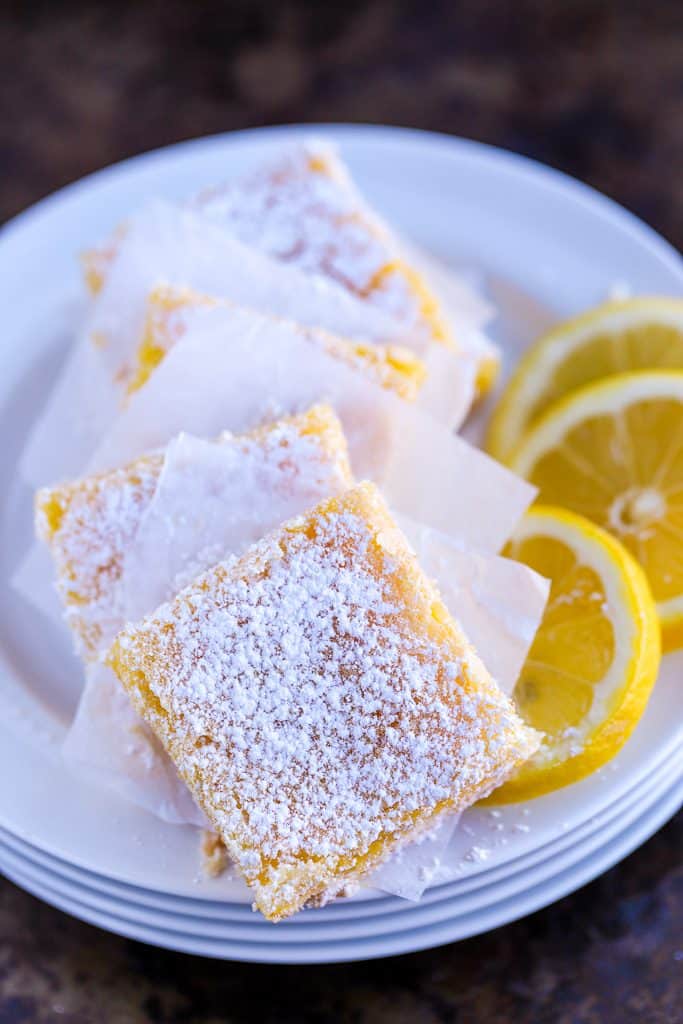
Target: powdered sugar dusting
257	480
304	209
317	703
88	525
214	500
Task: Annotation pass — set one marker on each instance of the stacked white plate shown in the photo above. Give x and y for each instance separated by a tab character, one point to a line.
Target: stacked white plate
545	247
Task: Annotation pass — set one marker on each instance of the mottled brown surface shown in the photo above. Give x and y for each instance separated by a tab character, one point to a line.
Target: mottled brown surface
594	88
612	952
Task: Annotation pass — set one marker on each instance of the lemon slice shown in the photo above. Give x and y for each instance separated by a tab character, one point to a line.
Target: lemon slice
636	334
594	660
613	451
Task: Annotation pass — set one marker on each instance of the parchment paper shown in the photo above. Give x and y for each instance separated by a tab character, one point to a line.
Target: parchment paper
237	369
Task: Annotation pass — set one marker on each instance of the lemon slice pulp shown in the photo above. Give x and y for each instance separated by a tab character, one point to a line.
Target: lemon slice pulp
613	452
617	337
595	658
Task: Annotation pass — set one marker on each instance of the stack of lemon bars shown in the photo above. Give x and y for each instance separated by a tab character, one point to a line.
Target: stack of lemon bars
249	588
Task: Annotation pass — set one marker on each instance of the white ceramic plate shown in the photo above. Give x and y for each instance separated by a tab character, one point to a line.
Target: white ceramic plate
516	872
418	931
546	247
463	896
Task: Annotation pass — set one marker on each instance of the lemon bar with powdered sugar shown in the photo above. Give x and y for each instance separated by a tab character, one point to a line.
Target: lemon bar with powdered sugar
90	524
302	207
320	701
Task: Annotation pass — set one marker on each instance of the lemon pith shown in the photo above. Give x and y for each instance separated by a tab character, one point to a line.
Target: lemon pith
613	452
596	655
616	337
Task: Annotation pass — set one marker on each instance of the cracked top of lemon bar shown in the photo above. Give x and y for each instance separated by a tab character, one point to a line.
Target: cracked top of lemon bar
320	701
90	524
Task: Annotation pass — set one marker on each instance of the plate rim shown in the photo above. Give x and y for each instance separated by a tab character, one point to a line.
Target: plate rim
430	936
444	891
657	783
528	167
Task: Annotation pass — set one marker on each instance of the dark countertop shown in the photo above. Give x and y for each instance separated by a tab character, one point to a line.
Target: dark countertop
612	952
594	88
